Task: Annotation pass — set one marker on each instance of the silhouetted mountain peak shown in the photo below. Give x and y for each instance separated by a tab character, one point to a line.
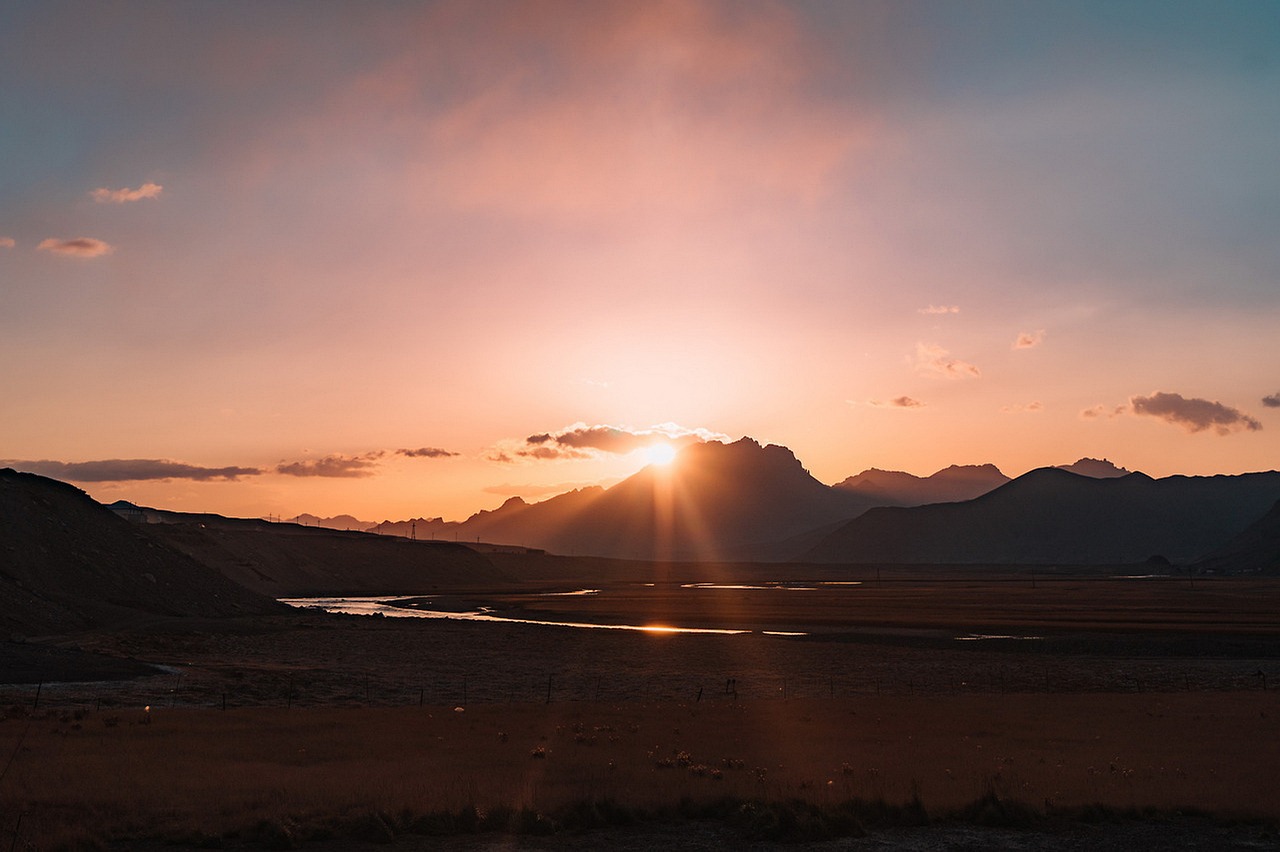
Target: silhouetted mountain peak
967	471
949	485
1095	468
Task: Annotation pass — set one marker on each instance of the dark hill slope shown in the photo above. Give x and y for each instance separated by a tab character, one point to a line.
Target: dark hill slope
1052	516
287	560
68	563
1255	551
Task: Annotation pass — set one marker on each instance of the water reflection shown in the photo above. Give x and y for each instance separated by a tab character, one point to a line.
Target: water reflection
982	637
400	607
765	586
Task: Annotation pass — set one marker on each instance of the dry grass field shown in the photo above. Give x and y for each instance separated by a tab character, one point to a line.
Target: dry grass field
1144	699
183	775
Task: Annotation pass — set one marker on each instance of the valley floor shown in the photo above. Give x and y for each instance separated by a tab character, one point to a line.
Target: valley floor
342	728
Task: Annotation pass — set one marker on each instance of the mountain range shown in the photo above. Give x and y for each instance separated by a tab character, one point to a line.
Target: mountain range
1053	516
745	501
68	563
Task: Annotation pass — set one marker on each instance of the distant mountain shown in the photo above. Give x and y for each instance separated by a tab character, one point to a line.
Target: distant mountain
1096	468
896	488
69	563
1053	516
1256	550
338	522
715	501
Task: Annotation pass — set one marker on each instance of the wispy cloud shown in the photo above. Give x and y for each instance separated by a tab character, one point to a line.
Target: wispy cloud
76	247
940	309
896	402
1272	401
333	466
580	441
933	360
1101	410
676	106
1017	408
128	470
102	195
1028	339
7	242
426	453
1194	415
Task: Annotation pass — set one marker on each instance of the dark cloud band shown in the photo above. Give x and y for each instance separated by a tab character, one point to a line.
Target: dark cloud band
129	470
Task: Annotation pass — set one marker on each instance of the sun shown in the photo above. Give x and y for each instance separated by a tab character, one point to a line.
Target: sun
662	454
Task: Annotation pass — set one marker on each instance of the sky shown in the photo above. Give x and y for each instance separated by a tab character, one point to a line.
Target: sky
411	259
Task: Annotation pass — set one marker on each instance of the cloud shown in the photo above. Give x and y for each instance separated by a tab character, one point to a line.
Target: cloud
426	453
933	360
129	470
102	195
1028	339
896	402
585	110
1194	415
77	247
940	309
334	466
7	242
1101	410
1272	401
580	441
1029	407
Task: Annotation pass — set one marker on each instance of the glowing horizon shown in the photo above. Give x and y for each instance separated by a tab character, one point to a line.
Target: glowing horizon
411	260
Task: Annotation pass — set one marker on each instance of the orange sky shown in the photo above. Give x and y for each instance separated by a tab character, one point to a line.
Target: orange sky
252	254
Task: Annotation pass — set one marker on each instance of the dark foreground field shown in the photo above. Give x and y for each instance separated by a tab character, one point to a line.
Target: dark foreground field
768	769
1144	704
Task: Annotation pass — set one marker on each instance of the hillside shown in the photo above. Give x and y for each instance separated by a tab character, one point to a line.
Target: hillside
1053	516
70	564
1256	550
287	560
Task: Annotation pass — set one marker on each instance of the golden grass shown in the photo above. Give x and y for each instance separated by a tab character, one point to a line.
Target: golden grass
177	773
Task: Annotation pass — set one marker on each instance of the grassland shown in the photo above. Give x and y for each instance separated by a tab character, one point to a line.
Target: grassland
1145	698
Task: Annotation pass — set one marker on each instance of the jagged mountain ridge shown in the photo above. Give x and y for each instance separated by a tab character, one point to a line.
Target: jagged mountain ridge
873	486
716	501
1054	516
1096	468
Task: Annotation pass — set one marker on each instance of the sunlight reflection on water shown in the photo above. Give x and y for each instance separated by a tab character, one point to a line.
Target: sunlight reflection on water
386	606
766	586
